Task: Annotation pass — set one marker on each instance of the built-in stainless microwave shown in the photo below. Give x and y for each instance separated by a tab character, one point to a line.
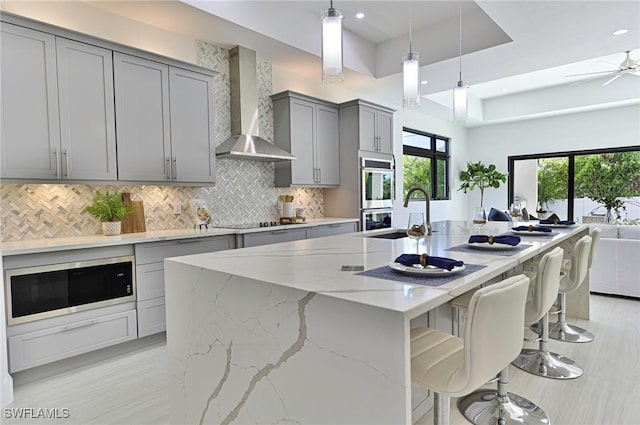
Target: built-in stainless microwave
34	293
377	183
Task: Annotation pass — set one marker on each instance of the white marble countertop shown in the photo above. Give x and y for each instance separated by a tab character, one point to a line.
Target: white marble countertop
314	265
96	241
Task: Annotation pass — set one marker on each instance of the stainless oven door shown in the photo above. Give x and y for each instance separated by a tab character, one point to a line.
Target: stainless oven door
377	219
377	188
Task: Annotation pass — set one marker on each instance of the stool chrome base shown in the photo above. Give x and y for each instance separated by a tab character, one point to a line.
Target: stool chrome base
484	407
549	365
561	331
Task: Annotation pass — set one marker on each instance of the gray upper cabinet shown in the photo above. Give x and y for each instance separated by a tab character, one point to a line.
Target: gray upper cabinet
57	108
164	121
30	135
87	117
142	116
309	129
376	130
192	132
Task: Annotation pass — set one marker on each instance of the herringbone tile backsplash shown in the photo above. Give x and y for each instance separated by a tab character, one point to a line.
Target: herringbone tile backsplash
244	191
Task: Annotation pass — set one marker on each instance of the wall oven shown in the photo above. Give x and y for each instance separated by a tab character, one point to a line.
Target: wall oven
377	219
377	183
35	293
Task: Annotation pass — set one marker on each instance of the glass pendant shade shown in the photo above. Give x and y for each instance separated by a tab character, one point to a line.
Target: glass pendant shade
332	46
460	100
410	80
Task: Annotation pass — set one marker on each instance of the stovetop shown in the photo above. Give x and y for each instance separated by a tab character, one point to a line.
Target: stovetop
247	225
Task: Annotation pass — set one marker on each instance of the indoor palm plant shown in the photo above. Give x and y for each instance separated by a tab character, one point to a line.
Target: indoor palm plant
110	210
480	176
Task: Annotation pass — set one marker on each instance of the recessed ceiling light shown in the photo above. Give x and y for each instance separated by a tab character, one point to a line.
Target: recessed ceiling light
504	89
360	15
620	32
424	82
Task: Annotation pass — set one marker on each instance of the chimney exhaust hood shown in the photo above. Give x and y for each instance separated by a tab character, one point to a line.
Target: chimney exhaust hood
245	142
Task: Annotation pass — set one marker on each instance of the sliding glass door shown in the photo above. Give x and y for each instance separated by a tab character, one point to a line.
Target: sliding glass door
586	186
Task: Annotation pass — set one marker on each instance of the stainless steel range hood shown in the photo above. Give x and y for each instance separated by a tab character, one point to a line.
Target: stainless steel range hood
245	142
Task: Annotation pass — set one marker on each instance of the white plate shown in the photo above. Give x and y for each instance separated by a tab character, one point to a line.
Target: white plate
494	247
558	226
428	271
532	233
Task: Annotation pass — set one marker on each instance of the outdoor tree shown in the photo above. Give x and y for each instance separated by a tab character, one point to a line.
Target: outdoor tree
416	172
553	176
608	178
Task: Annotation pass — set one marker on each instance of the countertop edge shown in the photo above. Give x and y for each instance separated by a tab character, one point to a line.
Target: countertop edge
98	241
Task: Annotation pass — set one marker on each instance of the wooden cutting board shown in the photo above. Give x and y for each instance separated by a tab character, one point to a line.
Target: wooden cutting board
134	222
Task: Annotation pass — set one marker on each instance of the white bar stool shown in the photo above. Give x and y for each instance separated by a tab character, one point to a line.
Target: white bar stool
453	367
484	407
541	361
581	260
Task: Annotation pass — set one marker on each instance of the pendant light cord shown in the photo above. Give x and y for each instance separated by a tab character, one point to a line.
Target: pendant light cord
410	20
460	38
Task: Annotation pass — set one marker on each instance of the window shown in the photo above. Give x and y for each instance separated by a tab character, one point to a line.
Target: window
587	186
425	162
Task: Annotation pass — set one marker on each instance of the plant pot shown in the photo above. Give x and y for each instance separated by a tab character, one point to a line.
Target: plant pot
111	228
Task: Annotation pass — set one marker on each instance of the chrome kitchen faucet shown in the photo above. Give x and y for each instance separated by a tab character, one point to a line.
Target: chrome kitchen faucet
427	207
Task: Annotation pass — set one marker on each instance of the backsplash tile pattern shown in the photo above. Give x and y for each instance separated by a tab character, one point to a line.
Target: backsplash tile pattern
244	191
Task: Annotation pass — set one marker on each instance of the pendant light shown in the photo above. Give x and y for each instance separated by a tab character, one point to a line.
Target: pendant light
460	98
332	46
411	76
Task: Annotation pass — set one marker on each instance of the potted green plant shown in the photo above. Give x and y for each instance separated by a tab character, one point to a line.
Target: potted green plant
110	210
480	176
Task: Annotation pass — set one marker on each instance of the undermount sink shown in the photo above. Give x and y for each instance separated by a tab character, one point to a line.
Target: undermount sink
398	234
393	235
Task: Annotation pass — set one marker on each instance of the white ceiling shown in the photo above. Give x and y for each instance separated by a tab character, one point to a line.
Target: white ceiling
510	47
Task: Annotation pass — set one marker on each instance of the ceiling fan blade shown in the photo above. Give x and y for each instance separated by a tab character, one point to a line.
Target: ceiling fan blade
615	77
590	73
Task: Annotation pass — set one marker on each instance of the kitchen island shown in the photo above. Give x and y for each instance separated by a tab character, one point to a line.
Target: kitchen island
280	334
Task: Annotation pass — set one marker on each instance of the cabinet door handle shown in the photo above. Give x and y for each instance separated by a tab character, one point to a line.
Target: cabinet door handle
77	326
335	225
167	168
278	232
66	161
174	171
56	152
319	175
192	240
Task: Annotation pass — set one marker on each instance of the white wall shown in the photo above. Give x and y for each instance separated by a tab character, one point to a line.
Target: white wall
588	130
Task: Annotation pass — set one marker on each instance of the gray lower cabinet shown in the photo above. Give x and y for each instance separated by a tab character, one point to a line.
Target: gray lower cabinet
273	236
332	229
309	129
43	346
165	122
150	275
57	108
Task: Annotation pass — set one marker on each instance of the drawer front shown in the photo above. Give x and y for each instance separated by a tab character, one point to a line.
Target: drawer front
154	252
332	229
48	345
152	317
150	281
274	236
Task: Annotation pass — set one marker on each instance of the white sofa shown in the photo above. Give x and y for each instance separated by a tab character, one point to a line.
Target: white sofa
616	267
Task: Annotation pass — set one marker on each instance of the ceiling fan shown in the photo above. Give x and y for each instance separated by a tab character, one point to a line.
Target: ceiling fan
627	66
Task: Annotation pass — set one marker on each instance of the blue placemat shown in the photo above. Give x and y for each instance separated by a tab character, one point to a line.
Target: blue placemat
506	252
387	273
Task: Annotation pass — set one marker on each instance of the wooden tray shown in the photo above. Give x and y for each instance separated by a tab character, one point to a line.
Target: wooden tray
292	220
